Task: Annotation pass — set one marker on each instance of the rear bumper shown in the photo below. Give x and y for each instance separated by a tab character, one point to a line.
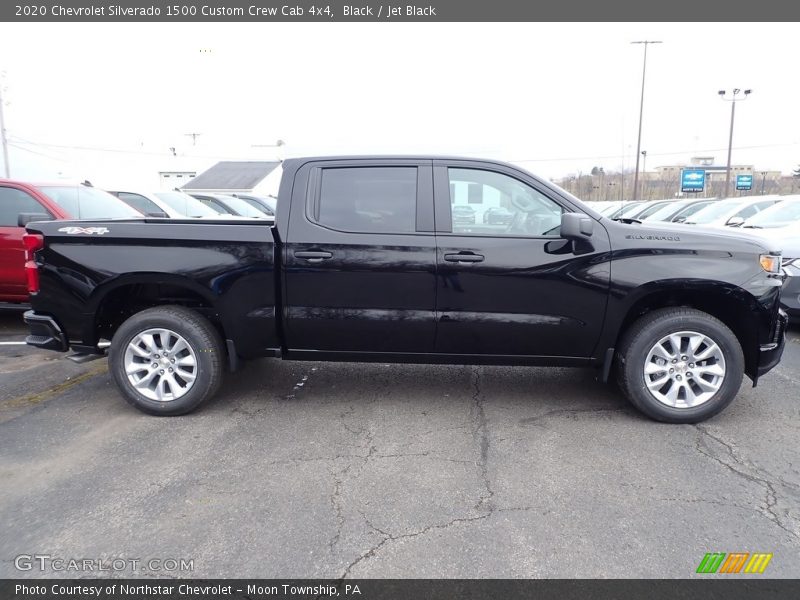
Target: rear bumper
45	332
770	354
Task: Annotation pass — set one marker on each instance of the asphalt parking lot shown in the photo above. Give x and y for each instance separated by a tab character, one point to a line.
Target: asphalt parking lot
351	470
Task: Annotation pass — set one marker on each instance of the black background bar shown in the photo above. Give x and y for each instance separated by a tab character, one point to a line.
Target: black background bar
393	11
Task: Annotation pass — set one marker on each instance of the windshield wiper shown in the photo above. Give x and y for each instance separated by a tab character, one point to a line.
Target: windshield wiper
753	227
627	220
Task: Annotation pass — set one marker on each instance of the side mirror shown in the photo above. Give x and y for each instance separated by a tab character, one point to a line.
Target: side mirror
735	222
576	226
158	214
24	218
679	220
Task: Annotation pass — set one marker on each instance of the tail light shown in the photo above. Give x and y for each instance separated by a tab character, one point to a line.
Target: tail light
32	243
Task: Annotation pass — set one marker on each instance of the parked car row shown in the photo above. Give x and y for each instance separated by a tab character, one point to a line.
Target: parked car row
731	212
776	217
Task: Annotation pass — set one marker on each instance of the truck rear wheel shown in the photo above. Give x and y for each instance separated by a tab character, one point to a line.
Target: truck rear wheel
680	365
166	360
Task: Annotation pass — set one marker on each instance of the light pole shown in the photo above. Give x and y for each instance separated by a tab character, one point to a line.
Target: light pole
646	43
731	97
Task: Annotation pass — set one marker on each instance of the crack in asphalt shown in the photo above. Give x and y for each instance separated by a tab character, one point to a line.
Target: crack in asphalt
336	502
388	537
769	510
480	431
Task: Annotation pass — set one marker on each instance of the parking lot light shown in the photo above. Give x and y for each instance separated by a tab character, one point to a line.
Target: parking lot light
731	97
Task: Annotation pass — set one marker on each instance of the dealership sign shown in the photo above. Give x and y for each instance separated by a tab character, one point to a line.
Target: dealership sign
693	180
744	182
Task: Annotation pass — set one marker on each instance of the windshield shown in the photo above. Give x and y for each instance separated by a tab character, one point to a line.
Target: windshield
269	201
649	210
186	205
242	207
629	210
711	213
82	202
781	214
666	211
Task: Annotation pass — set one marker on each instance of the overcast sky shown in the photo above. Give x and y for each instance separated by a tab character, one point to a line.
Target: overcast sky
554	98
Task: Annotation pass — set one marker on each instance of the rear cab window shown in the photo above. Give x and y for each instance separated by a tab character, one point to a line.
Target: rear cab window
13	202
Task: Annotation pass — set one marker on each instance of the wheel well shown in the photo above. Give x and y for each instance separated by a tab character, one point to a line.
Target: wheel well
724	306
127	300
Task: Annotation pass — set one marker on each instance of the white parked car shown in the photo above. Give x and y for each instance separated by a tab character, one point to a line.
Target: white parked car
788	237
172	204
783	214
732	212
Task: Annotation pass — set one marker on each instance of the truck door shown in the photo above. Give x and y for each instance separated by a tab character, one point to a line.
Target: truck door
507	283
360	258
13	201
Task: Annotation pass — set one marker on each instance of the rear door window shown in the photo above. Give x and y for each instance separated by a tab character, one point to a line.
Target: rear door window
368	199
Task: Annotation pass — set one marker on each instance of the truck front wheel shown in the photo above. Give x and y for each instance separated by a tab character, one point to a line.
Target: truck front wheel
680	365
166	360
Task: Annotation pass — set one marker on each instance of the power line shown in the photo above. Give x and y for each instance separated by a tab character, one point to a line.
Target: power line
13	145
166	153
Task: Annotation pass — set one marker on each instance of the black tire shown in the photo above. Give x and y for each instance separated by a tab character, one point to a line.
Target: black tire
199	334
645	333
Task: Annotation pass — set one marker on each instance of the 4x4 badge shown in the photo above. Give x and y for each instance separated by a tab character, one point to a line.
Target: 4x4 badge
89	230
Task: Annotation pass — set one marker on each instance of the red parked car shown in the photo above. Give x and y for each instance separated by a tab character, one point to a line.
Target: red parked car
21	203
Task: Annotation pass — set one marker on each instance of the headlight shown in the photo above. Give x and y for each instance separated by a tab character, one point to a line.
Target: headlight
770	263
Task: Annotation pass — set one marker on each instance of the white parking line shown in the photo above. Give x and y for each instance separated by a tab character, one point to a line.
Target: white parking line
12	343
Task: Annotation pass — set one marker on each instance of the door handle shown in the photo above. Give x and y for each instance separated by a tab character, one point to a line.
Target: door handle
313	256
464	257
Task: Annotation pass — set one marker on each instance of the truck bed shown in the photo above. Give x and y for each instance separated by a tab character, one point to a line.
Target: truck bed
224	268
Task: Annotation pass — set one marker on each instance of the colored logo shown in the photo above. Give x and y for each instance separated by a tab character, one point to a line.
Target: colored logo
693	180
744	182
734	562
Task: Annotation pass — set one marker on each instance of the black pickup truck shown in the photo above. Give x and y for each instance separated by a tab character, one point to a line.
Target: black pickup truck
366	262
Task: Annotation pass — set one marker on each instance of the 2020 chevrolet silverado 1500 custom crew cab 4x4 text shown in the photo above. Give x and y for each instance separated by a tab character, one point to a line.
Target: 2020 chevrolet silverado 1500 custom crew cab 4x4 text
367	262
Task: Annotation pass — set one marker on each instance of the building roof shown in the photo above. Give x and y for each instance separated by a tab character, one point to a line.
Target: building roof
233	175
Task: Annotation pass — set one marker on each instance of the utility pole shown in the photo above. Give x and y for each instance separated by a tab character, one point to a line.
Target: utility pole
733	99
3	135
194	137
646	43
